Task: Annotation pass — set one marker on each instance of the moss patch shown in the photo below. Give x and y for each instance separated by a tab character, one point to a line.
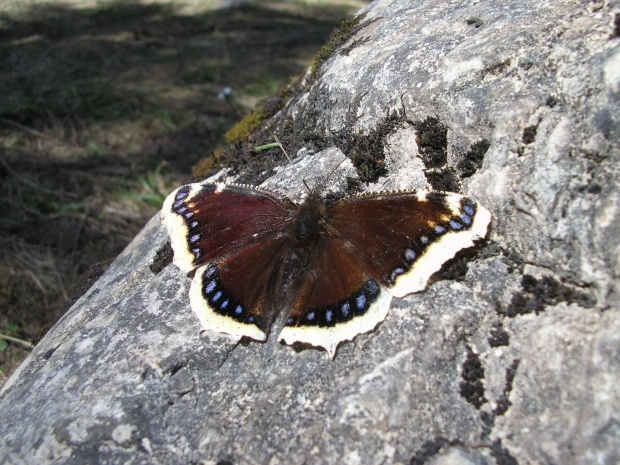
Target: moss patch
529	134
432	142
339	37
248	124
163	258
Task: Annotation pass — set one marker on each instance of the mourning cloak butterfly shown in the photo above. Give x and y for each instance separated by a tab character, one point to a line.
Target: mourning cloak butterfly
335	267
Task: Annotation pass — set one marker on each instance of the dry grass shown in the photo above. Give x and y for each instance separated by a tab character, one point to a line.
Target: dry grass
105	107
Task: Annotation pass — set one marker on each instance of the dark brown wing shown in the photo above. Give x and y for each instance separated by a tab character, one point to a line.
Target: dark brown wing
209	221
401	238
234	295
337	300
235	236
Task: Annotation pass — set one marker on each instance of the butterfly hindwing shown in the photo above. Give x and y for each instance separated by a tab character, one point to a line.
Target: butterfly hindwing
402	238
337	300
234	295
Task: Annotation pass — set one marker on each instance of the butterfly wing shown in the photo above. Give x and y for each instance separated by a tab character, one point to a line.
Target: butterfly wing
235	236
337	299
375	243
209	221
402	238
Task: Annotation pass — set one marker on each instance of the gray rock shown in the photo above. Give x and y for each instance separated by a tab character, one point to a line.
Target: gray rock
516	361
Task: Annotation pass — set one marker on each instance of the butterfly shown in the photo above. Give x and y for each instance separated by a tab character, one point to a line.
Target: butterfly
332	266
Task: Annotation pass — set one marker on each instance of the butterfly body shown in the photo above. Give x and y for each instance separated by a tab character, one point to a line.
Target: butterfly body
333	267
308	220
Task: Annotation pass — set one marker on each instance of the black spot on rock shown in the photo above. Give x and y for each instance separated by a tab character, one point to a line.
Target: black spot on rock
472	160
529	134
443	180
539	293
47	355
430	448
472	389
499	336
456	268
551	101
501	454
163	258
476	22
503	403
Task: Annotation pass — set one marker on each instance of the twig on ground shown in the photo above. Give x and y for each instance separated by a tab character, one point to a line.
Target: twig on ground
20	342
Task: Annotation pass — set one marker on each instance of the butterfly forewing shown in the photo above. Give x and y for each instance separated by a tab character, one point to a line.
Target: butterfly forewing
233	235
209	221
402	238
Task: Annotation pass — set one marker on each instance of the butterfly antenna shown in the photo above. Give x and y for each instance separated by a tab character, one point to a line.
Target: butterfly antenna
329	175
307	187
337	166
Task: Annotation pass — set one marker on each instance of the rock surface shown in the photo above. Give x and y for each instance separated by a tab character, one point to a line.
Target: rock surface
515	360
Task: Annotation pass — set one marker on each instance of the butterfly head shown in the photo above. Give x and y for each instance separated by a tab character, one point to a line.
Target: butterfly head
309	220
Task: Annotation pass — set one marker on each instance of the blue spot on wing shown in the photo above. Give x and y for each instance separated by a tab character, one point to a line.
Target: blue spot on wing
210	287
396	273
372	287
346	309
